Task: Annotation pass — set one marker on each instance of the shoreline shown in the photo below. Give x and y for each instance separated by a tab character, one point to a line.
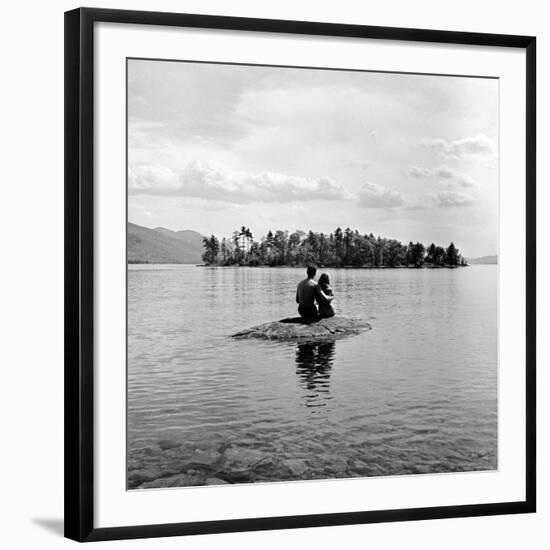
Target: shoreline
235	266
341	267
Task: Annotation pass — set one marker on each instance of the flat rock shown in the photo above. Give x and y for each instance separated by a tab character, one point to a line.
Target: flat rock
296	329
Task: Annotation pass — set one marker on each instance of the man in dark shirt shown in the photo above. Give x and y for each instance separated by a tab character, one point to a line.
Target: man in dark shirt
306	293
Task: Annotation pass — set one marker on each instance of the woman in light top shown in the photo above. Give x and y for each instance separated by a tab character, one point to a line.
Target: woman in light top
325	296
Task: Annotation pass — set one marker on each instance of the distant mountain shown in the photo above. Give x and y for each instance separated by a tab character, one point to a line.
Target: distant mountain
163	246
483	260
191	238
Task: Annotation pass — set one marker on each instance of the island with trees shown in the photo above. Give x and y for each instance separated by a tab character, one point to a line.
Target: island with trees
341	248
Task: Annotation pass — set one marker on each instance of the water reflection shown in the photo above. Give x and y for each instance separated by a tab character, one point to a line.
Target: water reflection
314	362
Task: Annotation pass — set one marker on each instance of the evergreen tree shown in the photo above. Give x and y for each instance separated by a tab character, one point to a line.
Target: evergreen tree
451	255
211	249
206	255
439	255
269	238
238	253
430	254
224	251
214	248
338	243
418	254
410	253
348	234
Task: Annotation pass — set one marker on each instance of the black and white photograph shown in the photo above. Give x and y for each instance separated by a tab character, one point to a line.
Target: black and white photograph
274	275
312	274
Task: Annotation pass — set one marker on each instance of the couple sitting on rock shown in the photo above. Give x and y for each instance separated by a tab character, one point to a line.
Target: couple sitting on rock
309	291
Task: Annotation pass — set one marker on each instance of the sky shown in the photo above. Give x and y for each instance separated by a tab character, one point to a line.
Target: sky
214	147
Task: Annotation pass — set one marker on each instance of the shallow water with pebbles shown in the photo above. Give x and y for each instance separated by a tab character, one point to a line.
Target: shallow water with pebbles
416	394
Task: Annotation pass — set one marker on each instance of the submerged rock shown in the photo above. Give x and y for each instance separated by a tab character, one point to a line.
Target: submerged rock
181	480
296	466
148	474
239	457
204	459
296	329
167	444
215	481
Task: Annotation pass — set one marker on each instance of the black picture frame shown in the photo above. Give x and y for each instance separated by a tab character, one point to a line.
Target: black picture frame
79	269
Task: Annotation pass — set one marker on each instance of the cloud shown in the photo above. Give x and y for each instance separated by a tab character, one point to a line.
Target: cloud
444	172
448	199
419	172
140	208
362	164
472	145
217	182
465	181
373	195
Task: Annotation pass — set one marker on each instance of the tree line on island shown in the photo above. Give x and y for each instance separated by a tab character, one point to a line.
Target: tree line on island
341	248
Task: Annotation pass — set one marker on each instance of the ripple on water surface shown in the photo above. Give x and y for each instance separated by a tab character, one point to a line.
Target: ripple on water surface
417	394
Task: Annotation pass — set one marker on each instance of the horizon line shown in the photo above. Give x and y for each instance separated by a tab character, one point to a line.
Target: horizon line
203	235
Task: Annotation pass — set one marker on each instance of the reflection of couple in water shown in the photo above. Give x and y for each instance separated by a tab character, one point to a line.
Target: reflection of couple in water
314	362
310	291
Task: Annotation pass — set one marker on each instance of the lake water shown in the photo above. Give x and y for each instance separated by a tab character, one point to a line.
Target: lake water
416	394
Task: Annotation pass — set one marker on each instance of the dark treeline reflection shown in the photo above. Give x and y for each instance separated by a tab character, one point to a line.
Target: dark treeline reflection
314	362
